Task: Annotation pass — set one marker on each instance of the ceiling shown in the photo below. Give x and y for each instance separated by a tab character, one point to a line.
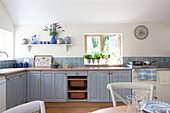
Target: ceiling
29	12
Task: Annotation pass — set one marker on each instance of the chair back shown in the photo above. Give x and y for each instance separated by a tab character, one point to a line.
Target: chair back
129	85
30	107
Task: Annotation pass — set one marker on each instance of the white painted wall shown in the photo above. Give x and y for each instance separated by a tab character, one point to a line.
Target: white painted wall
156	44
5	20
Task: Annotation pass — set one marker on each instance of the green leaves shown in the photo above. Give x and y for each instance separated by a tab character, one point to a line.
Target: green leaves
53	33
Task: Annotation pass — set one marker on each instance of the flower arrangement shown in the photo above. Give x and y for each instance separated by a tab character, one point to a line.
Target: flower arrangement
53	29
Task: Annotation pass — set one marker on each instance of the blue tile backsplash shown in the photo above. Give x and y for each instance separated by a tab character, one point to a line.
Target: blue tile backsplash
79	61
6	64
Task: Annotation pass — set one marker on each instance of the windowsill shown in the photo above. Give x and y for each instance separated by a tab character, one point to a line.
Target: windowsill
103	64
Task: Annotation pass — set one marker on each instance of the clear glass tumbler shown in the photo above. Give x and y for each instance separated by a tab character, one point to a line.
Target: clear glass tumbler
131	101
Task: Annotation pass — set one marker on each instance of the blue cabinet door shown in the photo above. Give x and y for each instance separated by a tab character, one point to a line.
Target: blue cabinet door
60	86
54	86
33	85
22	87
97	82
12	91
121	76
47	86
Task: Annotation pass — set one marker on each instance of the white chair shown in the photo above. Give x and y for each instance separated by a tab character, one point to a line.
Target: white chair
129	85
30	107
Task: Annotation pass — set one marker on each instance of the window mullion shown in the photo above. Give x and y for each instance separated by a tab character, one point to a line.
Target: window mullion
101	43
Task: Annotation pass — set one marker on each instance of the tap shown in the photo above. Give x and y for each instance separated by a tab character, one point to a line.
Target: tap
4	53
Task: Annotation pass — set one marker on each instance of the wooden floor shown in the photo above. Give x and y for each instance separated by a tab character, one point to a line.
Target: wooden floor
70	110
76	107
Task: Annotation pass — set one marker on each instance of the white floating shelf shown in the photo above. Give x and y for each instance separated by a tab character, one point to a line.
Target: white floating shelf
47	45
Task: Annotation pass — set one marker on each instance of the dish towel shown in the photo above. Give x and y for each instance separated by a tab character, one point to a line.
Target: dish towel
146	74
151	73
142	74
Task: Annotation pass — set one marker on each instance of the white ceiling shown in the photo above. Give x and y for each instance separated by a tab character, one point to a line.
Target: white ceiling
28	12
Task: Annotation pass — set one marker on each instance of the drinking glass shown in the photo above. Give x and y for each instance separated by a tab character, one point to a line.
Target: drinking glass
131	101
141	101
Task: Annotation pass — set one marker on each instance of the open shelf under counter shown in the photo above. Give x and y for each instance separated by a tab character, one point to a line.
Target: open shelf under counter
77	91
77	79
29	46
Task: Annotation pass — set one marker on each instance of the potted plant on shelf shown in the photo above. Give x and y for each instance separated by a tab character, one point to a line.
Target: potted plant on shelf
97	56
53	31
88	57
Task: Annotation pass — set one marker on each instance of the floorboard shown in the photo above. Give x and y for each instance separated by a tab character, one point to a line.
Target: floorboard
76	107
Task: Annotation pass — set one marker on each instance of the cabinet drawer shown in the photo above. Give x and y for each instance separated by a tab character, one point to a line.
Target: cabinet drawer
77	73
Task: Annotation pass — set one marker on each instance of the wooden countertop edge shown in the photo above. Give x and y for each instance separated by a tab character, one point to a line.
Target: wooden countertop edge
60	69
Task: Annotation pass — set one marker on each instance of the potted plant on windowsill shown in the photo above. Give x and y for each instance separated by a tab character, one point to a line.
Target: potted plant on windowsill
88	57
97	56
53	31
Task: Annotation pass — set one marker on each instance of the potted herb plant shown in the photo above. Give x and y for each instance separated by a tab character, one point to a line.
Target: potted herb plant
97	56
53	31
88	57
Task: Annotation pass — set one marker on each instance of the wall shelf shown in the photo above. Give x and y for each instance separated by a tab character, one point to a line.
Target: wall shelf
29	46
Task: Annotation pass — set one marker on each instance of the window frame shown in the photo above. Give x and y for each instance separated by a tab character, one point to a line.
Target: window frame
102	42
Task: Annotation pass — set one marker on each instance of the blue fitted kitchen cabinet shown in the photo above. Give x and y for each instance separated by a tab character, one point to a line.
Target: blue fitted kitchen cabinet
120	76
54	86
33	85
97	82
15	89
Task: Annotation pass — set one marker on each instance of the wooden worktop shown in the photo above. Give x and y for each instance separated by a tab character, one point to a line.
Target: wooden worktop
9	71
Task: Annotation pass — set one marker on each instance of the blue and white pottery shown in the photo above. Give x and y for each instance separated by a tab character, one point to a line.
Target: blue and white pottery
53	39
60	41
34	40
67	40
24	41
47	42
152	105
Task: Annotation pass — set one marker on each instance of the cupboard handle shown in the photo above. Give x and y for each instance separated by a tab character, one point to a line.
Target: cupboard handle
8	78
65	73
20	75
77	73
110	72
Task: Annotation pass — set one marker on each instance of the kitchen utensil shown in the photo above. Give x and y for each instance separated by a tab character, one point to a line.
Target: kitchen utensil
149	62
137	62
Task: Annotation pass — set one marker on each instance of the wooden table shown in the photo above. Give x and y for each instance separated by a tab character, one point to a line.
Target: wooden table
118	109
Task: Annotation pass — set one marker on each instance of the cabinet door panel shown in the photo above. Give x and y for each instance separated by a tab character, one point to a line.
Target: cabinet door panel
103	91
47	86
126	77
60	87
115	77
121	76
12	91
33	85
22	87
97	82
93	86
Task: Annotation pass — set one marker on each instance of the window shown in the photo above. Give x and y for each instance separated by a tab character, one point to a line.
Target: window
6	44
108	44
